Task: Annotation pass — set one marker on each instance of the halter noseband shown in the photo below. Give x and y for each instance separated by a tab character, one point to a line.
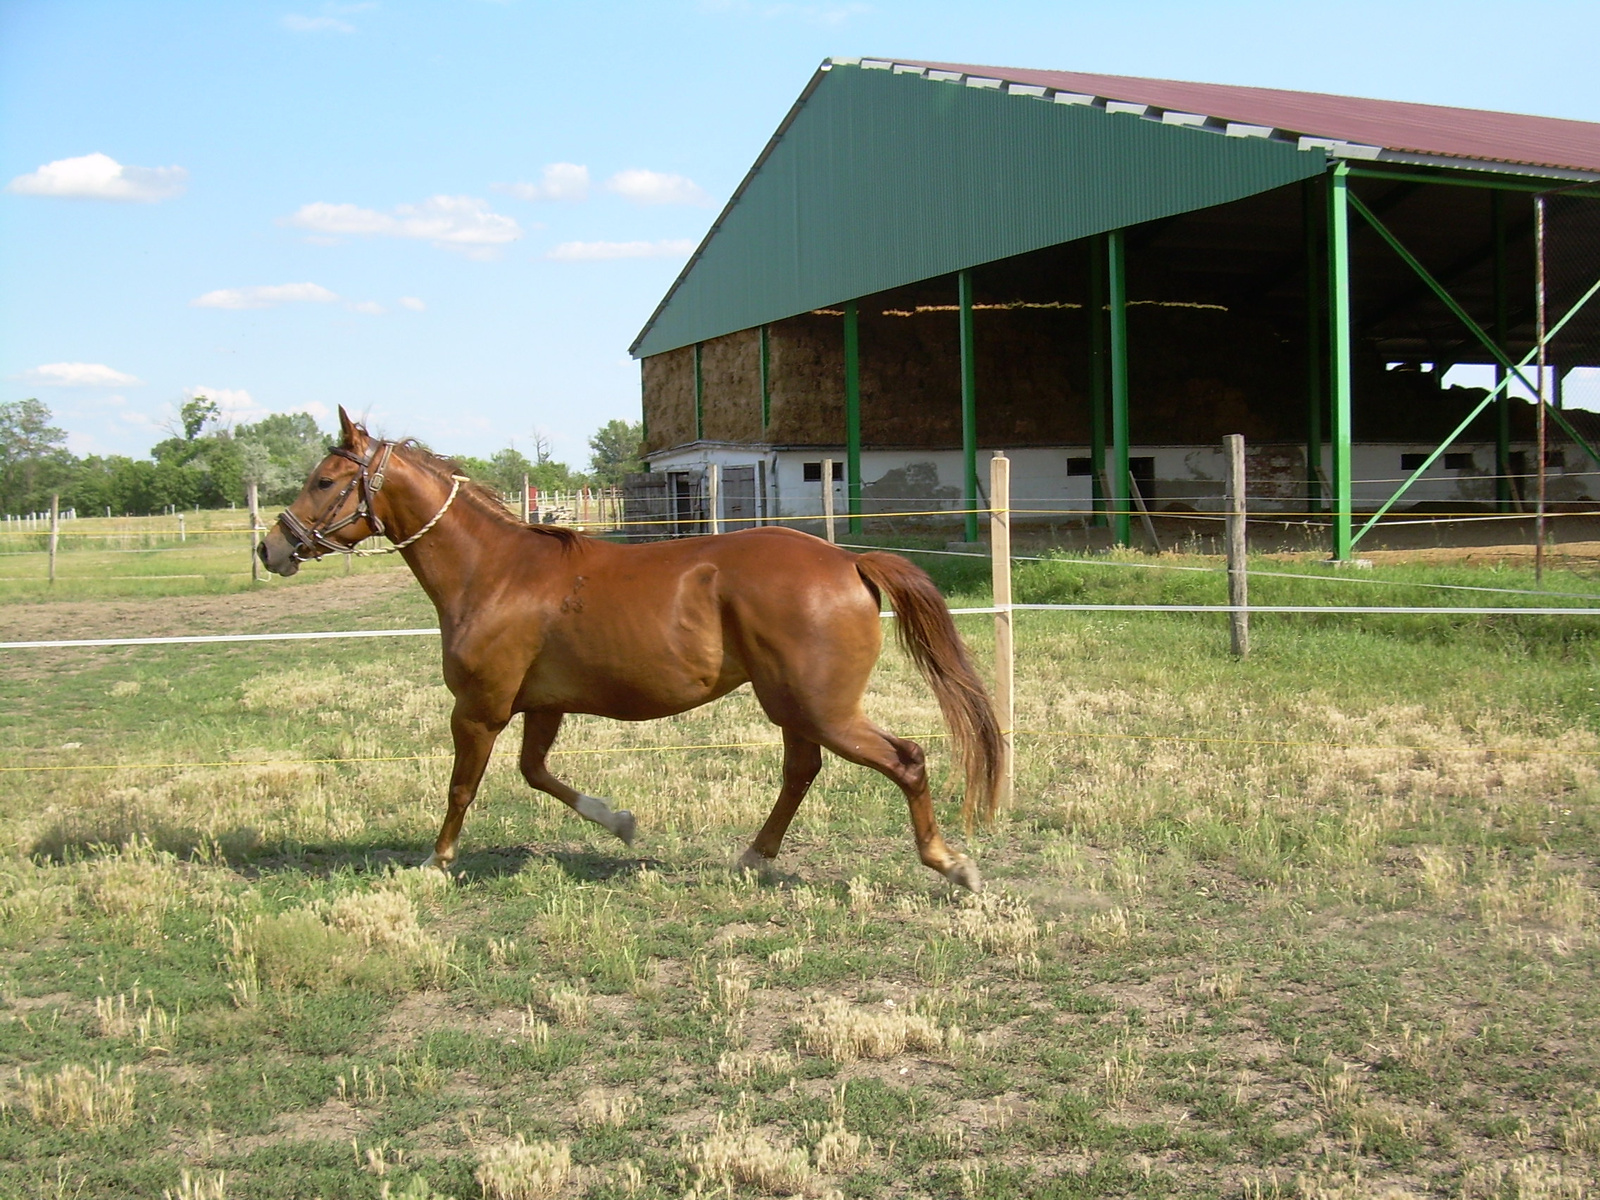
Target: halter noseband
312	541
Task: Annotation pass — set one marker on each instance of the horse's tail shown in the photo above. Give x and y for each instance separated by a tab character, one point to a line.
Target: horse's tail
930	638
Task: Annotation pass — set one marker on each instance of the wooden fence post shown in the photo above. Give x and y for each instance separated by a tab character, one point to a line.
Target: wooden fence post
55	532
827	498
525	517
1238	581
1004	656
255	532
714	496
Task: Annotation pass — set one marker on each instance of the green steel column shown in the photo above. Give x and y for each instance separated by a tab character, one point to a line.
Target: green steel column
1097	377
1502	406
1316	319
1121	491
699	397
766	381
1339	349
969	404
852	416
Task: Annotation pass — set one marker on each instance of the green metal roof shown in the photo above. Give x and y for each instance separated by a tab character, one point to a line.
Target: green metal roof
881	177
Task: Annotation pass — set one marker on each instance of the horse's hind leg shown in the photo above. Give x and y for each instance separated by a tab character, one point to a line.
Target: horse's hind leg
860	741
802	759
539	731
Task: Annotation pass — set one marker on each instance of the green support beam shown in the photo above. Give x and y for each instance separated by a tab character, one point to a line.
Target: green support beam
1097	378
852	416
1312	204
1117	299
699	397
1339	353
1502	408
766	380
969	404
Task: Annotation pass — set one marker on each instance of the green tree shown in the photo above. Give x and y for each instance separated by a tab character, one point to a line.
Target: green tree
277	453
617	446
33	456
195	413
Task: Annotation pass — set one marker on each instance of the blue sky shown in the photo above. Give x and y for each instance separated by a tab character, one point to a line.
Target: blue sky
454	217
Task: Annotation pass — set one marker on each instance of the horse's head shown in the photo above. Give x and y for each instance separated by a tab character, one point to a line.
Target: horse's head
334	510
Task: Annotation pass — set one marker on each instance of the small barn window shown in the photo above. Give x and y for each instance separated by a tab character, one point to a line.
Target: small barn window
811	472
1461	461
1410	462
1080	466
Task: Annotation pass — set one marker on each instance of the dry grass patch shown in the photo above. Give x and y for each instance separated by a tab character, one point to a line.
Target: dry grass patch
834	1028
996	923
741	1066
747	1157
599	1108
522	1170
365	939
204	1186
152	1028
1530	1178
76	1097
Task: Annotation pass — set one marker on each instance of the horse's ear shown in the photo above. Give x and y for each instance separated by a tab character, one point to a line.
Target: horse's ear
348	430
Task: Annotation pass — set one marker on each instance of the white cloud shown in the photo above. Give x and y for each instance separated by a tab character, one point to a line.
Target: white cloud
562	181
264	297
462	223
77	374
604	251
370	307
413	303
101	177
656	187
236	406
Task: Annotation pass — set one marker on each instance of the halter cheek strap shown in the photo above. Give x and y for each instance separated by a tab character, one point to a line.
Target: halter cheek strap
313	541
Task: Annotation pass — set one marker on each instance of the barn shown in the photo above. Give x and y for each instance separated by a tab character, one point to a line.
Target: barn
1102	276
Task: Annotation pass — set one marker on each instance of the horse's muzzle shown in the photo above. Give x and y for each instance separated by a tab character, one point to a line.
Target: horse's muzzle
276	554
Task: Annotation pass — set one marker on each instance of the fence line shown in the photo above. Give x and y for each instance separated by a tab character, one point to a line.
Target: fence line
1283	609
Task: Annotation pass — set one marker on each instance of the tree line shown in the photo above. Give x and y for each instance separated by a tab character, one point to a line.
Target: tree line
207	463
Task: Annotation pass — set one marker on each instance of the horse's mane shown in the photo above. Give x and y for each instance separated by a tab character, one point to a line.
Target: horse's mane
484	498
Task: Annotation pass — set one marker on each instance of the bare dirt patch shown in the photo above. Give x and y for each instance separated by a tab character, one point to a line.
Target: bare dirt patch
272	608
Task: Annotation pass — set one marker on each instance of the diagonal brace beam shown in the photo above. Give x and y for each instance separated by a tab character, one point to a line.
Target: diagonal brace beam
1483	404
1438	290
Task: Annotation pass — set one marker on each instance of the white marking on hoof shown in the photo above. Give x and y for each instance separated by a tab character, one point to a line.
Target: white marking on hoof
433	863
621	823
963	872
623	826
753	860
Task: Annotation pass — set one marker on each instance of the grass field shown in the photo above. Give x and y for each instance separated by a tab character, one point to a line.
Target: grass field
1320	924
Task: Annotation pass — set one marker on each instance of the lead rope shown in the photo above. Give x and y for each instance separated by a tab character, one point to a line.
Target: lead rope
455	486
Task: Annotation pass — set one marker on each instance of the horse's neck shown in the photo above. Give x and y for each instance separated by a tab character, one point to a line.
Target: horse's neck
453	560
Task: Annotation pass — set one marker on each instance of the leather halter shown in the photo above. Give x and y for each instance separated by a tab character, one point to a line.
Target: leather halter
312	541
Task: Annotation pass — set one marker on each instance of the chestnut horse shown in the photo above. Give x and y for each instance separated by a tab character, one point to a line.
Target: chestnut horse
544	621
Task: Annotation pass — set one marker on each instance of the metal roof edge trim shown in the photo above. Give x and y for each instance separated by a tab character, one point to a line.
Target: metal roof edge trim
812	84
1485	166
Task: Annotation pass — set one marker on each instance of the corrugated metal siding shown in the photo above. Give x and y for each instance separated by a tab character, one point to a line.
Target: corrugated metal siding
884	179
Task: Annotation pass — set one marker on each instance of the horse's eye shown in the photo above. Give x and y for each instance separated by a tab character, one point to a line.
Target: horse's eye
324	483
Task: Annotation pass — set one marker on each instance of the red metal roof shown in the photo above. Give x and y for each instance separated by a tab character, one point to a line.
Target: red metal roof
1422	129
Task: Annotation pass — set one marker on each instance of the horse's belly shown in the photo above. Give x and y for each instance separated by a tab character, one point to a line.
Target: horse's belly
628	697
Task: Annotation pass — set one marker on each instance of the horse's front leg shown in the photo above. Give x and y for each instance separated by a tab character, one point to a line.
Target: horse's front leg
474	739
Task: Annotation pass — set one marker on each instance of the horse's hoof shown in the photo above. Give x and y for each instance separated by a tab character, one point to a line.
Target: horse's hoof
623	825
963	872
434	864
753	860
